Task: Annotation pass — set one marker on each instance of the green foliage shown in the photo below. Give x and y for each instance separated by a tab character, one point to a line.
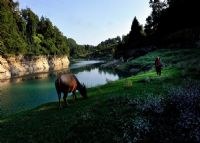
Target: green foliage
131	42
78	51
169	58
22	32
9	33
100	112
104	49
37	40
108	43
32	22
172	16
172	23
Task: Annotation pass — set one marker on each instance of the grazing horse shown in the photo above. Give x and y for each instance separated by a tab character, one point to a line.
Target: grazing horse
69	83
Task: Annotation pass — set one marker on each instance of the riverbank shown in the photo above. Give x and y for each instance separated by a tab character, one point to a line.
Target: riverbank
17	66
144	107
26	88
185	59
102	117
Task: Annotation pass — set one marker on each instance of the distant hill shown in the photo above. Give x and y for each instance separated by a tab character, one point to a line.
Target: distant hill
104	49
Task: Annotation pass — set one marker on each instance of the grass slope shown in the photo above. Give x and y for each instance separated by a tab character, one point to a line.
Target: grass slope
105	116
185	59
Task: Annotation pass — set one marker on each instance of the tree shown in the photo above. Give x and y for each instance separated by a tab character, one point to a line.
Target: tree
10	37
136	34
152	21
32	21
73	46
22	32
46	28
132	42
135	38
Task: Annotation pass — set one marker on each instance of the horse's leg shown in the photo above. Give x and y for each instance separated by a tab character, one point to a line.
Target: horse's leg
59	96
65	98
74	96
58	92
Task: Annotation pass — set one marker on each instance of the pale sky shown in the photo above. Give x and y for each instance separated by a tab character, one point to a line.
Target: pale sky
90	21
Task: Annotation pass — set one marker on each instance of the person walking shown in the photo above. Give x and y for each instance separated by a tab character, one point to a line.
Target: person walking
158	66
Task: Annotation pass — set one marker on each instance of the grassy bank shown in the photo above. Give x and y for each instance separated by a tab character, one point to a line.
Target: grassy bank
185	59
120	111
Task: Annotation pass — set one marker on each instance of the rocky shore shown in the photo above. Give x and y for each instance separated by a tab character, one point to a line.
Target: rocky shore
16	66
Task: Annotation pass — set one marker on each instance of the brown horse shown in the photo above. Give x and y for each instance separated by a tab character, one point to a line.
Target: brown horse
67	83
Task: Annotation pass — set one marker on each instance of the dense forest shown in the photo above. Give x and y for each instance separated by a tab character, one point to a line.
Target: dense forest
23	32
171	24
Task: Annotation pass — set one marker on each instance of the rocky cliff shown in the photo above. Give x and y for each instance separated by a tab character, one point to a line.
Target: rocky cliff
16	66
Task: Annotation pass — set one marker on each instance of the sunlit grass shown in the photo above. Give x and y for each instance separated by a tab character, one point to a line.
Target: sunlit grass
177	58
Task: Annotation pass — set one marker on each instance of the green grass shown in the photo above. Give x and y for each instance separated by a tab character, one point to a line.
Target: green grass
98	118
186	59
48	124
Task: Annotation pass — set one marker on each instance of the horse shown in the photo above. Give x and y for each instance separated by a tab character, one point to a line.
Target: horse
67	83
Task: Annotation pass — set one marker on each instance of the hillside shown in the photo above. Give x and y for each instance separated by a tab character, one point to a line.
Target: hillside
143	108
103	50
23	32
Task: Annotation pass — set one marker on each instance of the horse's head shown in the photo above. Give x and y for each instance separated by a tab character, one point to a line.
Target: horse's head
83	91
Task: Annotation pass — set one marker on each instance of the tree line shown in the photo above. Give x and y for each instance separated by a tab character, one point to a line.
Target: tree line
23	32
106	47
171	22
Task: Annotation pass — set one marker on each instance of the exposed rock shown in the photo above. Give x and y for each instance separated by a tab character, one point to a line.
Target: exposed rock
147	68
16	66
134	71
58	63
4	69
145	80
111	64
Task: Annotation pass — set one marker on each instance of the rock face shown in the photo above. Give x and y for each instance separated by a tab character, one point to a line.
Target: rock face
58	63
4	69
16	66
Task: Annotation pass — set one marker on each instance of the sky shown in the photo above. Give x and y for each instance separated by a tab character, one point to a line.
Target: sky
90	21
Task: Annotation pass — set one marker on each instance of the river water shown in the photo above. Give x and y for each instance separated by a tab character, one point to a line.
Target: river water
29	92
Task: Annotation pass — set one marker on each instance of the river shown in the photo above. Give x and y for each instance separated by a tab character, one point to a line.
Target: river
25	93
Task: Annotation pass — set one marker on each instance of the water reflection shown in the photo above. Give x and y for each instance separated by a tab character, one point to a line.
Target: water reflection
95	77
28	92
84	63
